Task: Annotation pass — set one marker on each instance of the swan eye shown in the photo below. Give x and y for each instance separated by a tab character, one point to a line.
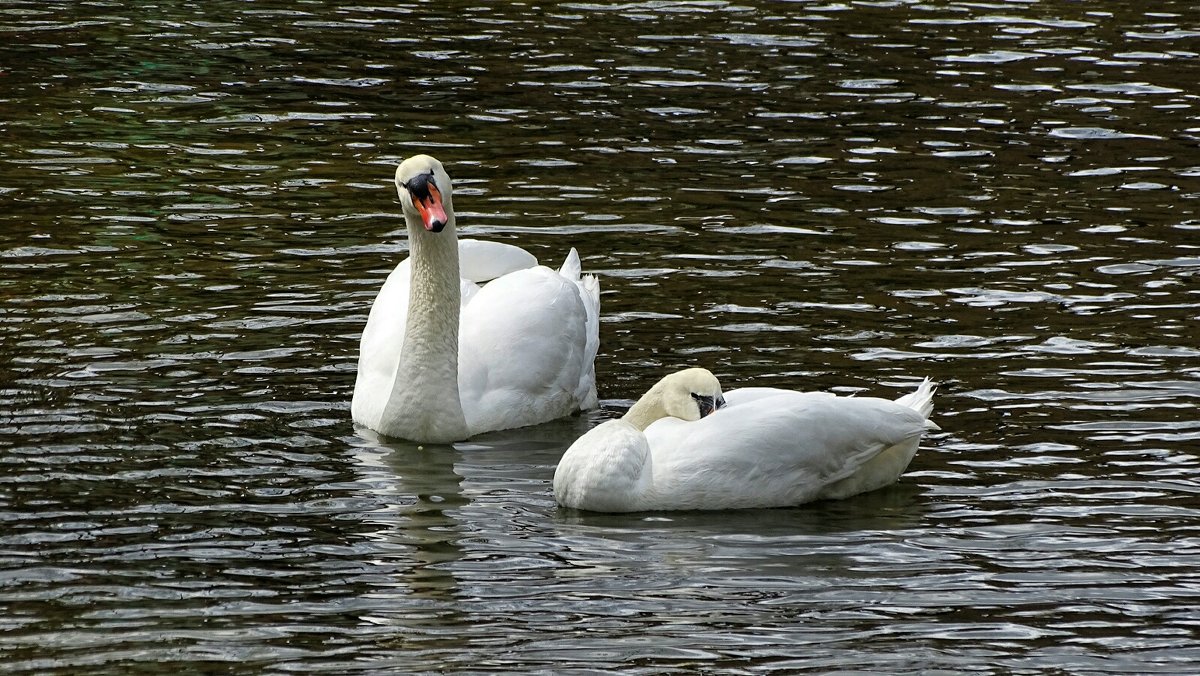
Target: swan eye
418	186
708	404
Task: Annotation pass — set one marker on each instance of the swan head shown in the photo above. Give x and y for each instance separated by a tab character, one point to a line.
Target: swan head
424	189
688	395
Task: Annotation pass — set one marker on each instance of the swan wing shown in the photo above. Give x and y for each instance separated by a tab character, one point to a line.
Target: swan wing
481	260
379	348
523	350
786	448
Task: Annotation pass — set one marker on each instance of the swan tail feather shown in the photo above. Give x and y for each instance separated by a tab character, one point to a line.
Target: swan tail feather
572	268
921	401
589	293
589	288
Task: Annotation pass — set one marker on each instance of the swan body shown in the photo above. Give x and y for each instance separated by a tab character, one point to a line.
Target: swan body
468	336
766	447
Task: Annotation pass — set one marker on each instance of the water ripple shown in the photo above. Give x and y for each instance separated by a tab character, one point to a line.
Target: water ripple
836	197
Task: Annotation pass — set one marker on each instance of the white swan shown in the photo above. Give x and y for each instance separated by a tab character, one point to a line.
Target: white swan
443	358
762	447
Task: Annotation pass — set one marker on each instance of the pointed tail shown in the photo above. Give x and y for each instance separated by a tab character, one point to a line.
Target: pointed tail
589	293
921	401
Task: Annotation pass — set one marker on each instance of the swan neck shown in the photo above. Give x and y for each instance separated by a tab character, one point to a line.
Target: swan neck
647	409
435	299
426	385
434	259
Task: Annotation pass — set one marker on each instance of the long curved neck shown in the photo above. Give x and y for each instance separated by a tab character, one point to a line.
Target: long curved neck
425	391
647	409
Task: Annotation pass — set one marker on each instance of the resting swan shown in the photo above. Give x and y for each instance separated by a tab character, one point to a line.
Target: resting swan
443	358
684	445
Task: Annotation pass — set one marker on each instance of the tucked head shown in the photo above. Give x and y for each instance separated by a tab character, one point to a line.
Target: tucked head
424	189
689	395
693	394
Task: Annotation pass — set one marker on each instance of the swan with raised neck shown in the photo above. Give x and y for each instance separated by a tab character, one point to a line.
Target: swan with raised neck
468	336
424	402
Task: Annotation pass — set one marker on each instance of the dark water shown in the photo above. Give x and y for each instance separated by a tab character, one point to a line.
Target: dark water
197	211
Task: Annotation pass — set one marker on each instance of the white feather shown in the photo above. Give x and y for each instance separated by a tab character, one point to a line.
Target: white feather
765	448
521	352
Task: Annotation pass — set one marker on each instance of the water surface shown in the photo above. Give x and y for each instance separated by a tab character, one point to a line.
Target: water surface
847	197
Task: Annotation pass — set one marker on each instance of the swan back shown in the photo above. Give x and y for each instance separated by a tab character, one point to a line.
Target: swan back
785	449
481	261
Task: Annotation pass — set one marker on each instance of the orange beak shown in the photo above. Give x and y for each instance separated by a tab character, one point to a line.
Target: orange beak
433	214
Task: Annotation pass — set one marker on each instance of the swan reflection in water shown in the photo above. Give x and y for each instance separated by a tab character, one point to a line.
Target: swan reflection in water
453	511
436	498
419	492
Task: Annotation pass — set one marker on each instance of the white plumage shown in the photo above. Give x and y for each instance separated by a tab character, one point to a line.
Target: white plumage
468	336
766	447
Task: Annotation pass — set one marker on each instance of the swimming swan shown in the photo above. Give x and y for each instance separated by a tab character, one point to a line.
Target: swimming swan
684	445
443	358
